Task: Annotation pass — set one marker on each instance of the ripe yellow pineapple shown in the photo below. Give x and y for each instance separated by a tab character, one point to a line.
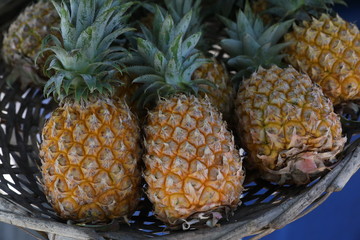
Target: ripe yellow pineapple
285	122
192	168
287	125
90	149
90	154
23	41
324	46
327	49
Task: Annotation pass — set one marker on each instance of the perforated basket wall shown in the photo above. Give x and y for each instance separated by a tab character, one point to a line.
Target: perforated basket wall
265	206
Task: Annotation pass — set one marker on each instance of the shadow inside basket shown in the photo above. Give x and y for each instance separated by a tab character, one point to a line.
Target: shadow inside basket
22	113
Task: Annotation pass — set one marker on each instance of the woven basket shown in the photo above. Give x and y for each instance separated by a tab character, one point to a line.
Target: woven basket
265	206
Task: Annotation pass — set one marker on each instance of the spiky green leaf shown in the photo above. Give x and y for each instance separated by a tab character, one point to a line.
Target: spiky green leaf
188	72
275	32
90	81
190	43
160	62
170	51
251	43
165	35
175	48
148	78
140	70
183	25
86	59
232	46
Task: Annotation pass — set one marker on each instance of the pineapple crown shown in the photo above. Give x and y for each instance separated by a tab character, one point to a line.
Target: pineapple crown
85	60
167	59
252	44
300	9
179	8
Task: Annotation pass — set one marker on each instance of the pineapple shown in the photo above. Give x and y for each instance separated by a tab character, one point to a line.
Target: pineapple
286	124
23	41
8	8
90	150
215	71
332	59
192	168
326	48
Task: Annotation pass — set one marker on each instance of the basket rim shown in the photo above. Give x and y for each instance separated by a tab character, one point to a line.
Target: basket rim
263	221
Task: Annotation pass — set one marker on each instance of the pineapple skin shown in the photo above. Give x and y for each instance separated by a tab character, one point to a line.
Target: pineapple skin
222	95
90	157
24	37
191	162
328	50
287	126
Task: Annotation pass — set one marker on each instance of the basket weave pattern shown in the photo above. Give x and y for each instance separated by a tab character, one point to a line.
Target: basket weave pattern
265	206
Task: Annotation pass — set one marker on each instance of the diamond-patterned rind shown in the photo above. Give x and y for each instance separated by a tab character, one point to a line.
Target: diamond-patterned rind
191	162
90	161
287	125
24	37
328	50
